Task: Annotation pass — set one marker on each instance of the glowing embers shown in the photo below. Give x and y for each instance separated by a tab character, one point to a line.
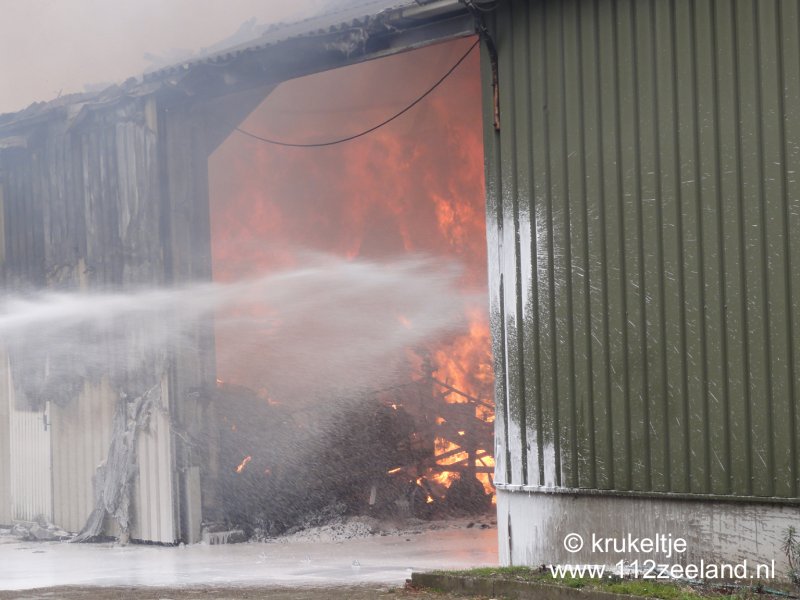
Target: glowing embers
383	454
454	474
460	373
242	465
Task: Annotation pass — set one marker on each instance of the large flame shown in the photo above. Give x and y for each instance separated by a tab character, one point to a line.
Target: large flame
415	185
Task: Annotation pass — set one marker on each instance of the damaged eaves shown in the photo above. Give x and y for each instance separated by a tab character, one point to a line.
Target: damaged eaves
283	52
279	56
347	30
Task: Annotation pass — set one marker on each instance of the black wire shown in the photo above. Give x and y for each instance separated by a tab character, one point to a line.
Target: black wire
373	128
472	4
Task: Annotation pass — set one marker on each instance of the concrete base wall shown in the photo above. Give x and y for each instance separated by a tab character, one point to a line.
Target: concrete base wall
533	525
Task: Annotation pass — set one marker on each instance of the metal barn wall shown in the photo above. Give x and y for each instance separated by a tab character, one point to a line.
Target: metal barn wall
30	460
82	211
5	433
81	438
644	238
153	498
5	446
112	195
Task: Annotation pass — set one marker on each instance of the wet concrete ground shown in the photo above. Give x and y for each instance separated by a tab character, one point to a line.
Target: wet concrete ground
376	561
336	593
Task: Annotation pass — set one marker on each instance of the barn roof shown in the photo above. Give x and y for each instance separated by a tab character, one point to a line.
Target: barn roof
362	30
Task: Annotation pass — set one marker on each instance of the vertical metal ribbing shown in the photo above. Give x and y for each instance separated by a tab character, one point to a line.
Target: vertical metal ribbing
587	467
657	194
529	248
788	27
517	206
494	224
5	444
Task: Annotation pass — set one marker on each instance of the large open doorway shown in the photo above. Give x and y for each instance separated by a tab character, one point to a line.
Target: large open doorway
418	443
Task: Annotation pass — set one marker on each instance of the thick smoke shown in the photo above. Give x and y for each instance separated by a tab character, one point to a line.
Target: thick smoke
49	48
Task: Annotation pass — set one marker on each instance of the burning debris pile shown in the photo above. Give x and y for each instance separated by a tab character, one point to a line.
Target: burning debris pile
386	454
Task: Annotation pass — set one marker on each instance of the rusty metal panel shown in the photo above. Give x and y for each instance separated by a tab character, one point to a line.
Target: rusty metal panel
644	235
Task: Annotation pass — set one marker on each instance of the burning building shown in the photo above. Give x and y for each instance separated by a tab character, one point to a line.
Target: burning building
638	161
163	182
388	194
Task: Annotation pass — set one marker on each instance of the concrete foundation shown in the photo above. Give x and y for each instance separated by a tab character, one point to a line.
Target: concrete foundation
533	526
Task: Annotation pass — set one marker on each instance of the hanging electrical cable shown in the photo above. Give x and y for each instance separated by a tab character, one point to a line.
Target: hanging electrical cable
479	12
374	127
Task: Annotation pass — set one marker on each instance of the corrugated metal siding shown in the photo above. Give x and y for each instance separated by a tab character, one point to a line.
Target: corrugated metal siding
5	433
5	444
81	438
155	509
31	475
2	224
644	235
82	211
30	466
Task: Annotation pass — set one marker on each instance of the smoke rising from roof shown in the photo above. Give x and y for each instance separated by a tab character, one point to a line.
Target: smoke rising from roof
50	48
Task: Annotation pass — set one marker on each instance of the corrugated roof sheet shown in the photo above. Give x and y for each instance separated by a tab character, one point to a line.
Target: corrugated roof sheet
355	14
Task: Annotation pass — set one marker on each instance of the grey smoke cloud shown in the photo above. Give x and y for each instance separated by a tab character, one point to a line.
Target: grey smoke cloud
52	47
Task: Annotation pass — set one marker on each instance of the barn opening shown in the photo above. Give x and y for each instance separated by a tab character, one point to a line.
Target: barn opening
419	443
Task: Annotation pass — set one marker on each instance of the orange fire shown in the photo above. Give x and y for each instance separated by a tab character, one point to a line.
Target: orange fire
466	365
415	185
243	465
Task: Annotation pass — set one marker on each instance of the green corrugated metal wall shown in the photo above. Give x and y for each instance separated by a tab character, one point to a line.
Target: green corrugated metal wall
644	238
